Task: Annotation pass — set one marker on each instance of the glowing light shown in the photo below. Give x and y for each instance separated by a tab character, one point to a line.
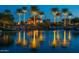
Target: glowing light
58	36
41	37
64	41
24	42
54	42
34	42
69	35
19	38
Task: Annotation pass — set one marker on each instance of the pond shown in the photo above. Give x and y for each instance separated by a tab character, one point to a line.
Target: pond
38	41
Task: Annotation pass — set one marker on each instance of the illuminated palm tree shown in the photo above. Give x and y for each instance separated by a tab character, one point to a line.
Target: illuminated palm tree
41	14
70	17
34	12
54	12
65	13
24	10
19	13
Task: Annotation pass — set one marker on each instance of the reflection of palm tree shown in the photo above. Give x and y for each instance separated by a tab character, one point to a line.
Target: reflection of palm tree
19	12
34	12
54	42
65	12
41	37
64	41
69	35
54	12
34	41
19	38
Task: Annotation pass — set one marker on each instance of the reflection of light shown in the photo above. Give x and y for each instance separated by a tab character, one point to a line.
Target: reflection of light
34	42
24	42
64	41
69	36
19	38
58	35
54	43
41	37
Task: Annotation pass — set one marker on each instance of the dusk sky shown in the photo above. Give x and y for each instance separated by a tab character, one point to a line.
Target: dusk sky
45	8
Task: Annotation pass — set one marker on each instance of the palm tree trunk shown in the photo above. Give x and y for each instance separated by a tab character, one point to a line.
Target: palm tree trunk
65	20
54	19
24	17
41	19
19	19
34	19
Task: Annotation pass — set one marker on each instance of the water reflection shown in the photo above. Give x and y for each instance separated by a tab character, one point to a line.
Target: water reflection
54	42
64	40
33	39
19	38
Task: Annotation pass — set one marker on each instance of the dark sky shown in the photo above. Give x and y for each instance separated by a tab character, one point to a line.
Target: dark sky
45	8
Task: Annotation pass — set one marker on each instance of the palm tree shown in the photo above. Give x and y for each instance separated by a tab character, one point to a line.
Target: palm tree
41	14
7	12
70	17
24	42
65	13
24	10
19	13
34	12
54	12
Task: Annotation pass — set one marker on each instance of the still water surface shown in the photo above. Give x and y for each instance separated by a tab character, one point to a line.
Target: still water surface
40	41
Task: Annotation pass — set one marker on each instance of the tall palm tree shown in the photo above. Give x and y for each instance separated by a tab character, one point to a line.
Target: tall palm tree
54	12
70	17
65	12
41	14
34	12
19	13
24	10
